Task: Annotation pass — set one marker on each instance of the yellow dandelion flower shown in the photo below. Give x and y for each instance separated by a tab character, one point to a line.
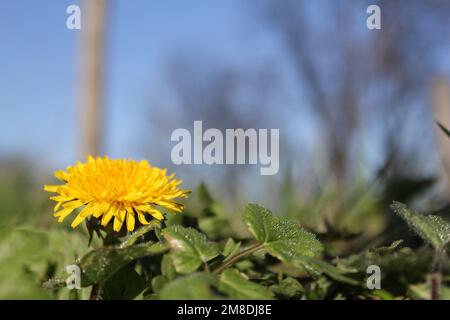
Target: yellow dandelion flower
119	189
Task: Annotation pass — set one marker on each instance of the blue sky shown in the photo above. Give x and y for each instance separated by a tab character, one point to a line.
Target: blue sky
39	59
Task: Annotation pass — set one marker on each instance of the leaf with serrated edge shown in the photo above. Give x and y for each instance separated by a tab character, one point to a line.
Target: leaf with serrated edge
288	287
283	238
98	265
287	241
189	248
432	229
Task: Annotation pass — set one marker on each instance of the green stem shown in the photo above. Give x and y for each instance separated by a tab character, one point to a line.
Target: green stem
239	256
108	240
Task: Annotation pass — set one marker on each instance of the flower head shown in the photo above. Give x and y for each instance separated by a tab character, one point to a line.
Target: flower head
119	189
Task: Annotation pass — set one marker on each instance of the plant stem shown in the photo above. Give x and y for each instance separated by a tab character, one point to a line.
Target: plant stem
108	240
240	255
94	292
435	280
435	277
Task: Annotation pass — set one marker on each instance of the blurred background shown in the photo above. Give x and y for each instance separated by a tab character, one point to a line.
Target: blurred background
356	108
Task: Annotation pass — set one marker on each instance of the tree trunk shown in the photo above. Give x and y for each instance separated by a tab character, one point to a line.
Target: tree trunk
92	37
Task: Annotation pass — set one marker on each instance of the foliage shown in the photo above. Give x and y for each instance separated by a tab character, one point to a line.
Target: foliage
185	258
432	229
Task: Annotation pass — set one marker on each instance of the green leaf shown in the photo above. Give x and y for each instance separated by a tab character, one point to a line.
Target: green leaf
432	229
282	237
316	267
18	245
124	284
287	241
189	248
231	248
20	250
399	268
236	286
167	268
288	288
159	282
382	294
319	289
196	286
132	238
383	251
98	265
